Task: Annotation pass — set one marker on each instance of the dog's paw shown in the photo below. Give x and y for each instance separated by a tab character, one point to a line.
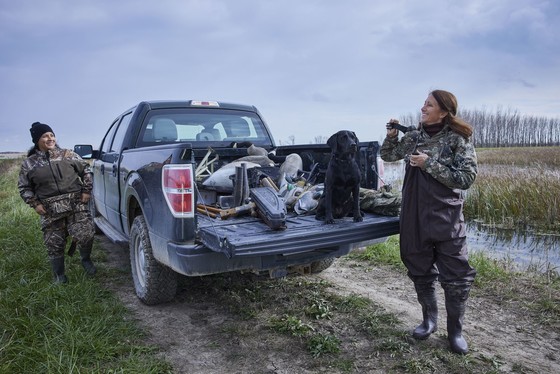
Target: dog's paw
329	221
358	217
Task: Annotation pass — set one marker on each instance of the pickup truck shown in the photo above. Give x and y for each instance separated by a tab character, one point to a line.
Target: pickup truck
175	180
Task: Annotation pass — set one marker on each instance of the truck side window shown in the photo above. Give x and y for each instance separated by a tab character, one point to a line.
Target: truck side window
106	146
119	134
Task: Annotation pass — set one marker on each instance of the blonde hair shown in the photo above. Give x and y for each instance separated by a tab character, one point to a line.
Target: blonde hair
448	103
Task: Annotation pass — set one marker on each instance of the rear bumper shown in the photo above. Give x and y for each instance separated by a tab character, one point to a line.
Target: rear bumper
199	260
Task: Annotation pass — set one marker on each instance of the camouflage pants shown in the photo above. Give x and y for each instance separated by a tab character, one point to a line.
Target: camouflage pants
56	229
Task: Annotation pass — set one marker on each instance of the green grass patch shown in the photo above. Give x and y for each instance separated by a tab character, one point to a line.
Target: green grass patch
323	344
291	325
387	253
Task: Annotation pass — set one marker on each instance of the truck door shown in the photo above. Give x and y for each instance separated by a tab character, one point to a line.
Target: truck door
113	180
99	167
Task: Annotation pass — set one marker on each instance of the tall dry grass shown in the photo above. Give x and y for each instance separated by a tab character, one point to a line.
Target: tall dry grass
517	188
548	157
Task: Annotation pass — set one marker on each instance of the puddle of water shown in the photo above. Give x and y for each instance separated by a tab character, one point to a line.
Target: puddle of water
524	249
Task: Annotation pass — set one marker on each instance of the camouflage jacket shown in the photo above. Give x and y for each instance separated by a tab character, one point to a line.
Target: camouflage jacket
451	161
53	173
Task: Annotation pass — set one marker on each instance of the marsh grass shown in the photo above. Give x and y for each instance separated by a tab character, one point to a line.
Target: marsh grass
517	188
48	328
513	197
520	156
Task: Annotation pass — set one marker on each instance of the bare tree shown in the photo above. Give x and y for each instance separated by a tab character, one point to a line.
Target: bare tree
320	139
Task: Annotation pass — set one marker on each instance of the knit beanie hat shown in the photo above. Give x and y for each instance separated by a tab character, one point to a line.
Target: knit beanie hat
38	129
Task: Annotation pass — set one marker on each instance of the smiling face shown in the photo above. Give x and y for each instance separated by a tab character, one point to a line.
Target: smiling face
46	142
431	112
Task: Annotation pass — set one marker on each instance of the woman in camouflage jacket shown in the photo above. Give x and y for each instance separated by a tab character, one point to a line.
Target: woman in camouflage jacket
440	164
57	183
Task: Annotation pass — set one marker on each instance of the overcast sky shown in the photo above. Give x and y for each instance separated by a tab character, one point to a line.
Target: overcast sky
311	67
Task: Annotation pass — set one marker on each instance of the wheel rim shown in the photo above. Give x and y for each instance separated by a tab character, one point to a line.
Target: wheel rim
140	262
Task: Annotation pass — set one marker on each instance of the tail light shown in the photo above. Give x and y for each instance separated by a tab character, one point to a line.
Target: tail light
177	185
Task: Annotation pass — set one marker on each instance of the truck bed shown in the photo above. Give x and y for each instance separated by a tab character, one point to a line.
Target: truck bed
250	236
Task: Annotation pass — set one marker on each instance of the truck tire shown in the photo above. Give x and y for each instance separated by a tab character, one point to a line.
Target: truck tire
319	266
154	283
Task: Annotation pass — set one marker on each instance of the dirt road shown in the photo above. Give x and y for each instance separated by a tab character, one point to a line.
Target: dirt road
197	333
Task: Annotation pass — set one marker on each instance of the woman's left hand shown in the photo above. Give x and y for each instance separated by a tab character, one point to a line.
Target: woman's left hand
418	159
85	197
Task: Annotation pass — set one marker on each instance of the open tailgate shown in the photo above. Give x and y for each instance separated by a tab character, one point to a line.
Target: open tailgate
248	236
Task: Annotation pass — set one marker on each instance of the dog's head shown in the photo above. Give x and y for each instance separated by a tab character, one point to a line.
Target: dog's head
343	141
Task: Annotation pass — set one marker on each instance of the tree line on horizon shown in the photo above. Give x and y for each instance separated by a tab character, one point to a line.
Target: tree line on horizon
505	128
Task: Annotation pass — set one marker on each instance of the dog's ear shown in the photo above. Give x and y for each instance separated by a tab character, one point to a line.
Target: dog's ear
355	137
332	142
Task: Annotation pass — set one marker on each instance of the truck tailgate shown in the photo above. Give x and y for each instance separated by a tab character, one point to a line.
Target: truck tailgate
248	236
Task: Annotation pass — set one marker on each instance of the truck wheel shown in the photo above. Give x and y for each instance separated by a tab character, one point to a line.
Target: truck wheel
319	266
154	283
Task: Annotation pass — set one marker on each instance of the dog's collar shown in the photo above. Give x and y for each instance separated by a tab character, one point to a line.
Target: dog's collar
340	157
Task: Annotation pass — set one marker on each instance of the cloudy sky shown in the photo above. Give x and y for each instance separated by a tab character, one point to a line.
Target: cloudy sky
312	67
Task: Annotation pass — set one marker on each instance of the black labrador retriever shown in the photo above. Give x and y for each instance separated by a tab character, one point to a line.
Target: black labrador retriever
342	180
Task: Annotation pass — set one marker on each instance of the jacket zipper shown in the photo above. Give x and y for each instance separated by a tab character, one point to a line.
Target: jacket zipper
52	171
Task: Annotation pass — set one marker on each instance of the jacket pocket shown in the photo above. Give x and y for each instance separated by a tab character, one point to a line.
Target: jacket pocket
60	204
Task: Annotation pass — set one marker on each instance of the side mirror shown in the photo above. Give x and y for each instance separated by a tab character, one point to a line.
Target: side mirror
85	151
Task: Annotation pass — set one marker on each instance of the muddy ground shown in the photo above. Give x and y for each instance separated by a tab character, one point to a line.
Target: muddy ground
198	334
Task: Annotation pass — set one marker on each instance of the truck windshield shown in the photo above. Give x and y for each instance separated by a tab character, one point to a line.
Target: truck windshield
202	125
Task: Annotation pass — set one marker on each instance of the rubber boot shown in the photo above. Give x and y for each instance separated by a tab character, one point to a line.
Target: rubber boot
456	295
57	265
88	265
426	293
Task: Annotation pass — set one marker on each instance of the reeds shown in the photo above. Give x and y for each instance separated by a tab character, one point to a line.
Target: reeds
520	156
517	188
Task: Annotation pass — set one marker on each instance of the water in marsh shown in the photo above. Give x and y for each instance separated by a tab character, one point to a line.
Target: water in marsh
524	249
540	252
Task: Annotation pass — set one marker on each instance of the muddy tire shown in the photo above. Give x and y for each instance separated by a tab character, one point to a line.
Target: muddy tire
319	266
154	283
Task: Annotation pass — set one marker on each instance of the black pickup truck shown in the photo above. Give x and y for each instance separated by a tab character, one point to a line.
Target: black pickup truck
177	181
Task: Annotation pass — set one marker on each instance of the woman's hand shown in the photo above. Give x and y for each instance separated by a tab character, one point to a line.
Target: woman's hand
40	209
85	198
390	131
418	159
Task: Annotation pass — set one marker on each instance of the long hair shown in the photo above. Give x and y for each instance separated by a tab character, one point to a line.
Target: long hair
32	150
448	103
